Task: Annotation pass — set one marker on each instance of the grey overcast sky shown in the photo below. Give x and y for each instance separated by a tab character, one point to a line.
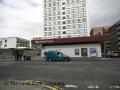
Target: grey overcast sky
24	18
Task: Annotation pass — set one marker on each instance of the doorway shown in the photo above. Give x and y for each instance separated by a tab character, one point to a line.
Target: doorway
84	52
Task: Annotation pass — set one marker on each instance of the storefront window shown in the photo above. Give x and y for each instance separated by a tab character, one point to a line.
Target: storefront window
77	52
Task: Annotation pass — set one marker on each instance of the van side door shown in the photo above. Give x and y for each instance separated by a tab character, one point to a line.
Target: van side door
60	56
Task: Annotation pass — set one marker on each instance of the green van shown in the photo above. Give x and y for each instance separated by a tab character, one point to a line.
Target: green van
56	56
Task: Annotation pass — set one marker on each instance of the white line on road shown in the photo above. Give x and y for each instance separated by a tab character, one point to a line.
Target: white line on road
94	86
71	86
114	86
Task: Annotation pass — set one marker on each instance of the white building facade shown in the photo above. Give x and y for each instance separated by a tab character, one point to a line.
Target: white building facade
14	42
76	50
65	18
73	47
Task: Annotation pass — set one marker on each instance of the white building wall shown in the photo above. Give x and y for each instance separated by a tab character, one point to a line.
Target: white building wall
3	43
70	49
11	42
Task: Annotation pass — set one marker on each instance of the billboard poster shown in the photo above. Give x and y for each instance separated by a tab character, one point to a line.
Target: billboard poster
93	52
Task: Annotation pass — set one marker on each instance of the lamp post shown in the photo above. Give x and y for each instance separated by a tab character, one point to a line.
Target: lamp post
16	53
0	44
105	47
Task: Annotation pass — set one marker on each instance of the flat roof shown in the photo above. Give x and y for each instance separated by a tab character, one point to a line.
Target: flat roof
77	40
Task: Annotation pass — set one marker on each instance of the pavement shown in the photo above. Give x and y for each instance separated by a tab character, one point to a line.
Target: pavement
94	59
72	59
73	75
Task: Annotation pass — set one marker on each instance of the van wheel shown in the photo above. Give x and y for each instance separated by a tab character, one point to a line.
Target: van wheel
66	59
49	59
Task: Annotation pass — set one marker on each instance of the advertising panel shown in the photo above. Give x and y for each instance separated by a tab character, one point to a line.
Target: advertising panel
93	52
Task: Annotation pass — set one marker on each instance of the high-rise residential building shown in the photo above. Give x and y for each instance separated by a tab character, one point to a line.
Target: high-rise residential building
65	18
114	33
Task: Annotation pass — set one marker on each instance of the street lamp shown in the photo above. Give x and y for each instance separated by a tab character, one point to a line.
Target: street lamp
0	44
105	46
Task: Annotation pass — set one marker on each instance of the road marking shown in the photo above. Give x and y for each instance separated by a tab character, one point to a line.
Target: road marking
50	87
93	86
71	86
114	86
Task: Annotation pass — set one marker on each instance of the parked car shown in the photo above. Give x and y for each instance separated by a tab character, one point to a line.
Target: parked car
111	54
56	56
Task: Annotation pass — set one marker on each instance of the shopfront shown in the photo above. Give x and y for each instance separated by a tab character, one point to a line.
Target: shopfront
76	50
73	47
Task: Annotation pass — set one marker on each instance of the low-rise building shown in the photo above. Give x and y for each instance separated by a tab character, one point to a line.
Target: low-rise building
73	47
14	42
98	31
37	46
101	31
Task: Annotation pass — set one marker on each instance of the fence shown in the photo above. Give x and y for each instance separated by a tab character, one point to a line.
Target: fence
7	54
10	54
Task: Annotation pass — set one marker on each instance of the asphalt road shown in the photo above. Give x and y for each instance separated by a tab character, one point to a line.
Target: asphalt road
69	73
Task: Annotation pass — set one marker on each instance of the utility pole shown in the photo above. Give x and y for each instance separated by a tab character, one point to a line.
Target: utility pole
105	47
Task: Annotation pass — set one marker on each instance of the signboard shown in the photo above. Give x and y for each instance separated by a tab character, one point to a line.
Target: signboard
44	41
96	39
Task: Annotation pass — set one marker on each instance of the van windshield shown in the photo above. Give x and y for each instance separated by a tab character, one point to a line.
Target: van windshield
60	54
